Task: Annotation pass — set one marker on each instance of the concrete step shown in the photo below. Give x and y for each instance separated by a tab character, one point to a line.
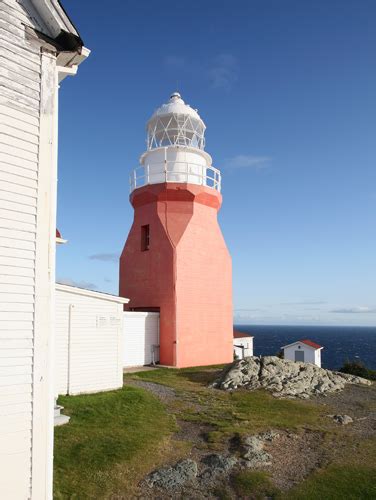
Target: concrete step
61	420
57	410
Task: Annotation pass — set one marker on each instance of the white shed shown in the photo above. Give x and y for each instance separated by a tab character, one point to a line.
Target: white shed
89	340
303	350
39	46
243	344
141	338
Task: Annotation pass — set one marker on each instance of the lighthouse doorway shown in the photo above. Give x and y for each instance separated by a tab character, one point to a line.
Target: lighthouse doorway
140	338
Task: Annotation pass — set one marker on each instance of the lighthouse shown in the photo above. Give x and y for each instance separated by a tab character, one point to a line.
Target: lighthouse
175	260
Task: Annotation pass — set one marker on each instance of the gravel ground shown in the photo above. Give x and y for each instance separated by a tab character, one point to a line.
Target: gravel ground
165	394
359	403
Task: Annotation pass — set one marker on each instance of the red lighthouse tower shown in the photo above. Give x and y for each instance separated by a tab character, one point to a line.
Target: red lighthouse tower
175	259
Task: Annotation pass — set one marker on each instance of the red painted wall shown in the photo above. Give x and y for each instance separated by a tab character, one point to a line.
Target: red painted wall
186	272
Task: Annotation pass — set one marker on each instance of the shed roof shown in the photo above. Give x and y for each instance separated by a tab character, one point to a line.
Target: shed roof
91	293
241	335
307	342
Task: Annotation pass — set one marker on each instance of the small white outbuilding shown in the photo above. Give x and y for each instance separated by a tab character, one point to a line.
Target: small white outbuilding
89	340
304	351
243	344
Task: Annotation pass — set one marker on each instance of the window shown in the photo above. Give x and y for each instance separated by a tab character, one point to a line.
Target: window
145	237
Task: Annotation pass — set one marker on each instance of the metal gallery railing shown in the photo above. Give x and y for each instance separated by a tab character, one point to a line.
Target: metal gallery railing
175	171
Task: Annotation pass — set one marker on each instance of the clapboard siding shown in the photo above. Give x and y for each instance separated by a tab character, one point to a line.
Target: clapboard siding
88	341
140	334
20	87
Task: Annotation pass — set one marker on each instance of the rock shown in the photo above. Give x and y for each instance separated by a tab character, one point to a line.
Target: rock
172	477
284	378
253	452
342	419
219	462
269	435
217	466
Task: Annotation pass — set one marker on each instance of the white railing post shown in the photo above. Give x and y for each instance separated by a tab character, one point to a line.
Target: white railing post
165	163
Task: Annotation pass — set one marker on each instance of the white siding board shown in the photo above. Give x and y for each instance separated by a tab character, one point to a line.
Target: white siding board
14	343
16	297
140	334
20	119
17	207
24	76
22	15
30	140
19	88
11	288
94	352
24	199
16	271
13	53
19	180
15	316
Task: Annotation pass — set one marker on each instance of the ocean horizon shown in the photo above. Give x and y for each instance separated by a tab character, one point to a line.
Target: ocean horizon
340	343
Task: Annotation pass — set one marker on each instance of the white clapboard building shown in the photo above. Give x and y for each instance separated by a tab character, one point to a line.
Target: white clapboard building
89	340
39	46
304	351
243	344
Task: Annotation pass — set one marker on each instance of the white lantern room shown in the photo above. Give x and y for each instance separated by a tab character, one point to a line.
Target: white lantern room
175	149
304	351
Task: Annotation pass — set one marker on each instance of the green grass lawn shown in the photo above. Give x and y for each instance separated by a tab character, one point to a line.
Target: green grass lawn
229	412
115	438
112	440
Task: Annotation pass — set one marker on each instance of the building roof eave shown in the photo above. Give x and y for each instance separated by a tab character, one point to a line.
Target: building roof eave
316	347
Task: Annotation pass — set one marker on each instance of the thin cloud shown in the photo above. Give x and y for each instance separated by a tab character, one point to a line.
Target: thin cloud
247	161
223	72
79	284
354	310
105	257
107	280
304	303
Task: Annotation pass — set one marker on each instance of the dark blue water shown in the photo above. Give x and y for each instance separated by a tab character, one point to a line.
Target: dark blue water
340	343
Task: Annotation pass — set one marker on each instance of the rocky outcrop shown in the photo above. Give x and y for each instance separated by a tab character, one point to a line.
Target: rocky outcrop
170	478
284	378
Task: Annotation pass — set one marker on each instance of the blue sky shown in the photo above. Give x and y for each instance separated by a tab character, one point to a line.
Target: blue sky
287	91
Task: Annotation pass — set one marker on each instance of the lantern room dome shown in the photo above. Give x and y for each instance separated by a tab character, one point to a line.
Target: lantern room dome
175	124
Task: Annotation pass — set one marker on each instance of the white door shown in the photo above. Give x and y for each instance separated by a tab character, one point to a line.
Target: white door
141	338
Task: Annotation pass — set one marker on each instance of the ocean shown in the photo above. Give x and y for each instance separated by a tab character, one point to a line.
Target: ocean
340	342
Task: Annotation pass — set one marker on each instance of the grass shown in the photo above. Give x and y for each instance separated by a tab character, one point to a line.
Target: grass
113	438
254	484
337	483
231	412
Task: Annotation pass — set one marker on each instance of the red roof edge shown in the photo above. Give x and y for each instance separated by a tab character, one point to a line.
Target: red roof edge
241	335
312	344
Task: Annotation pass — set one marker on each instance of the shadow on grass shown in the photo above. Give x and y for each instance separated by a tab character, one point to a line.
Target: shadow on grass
203	377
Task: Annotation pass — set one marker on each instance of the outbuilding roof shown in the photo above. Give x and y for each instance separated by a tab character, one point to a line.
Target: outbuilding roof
241	335
307	342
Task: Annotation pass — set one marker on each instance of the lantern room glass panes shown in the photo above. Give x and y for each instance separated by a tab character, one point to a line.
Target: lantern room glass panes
176	130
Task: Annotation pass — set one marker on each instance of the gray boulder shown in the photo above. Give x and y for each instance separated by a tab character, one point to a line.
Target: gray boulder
342	419
284	378
172	477
253	451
